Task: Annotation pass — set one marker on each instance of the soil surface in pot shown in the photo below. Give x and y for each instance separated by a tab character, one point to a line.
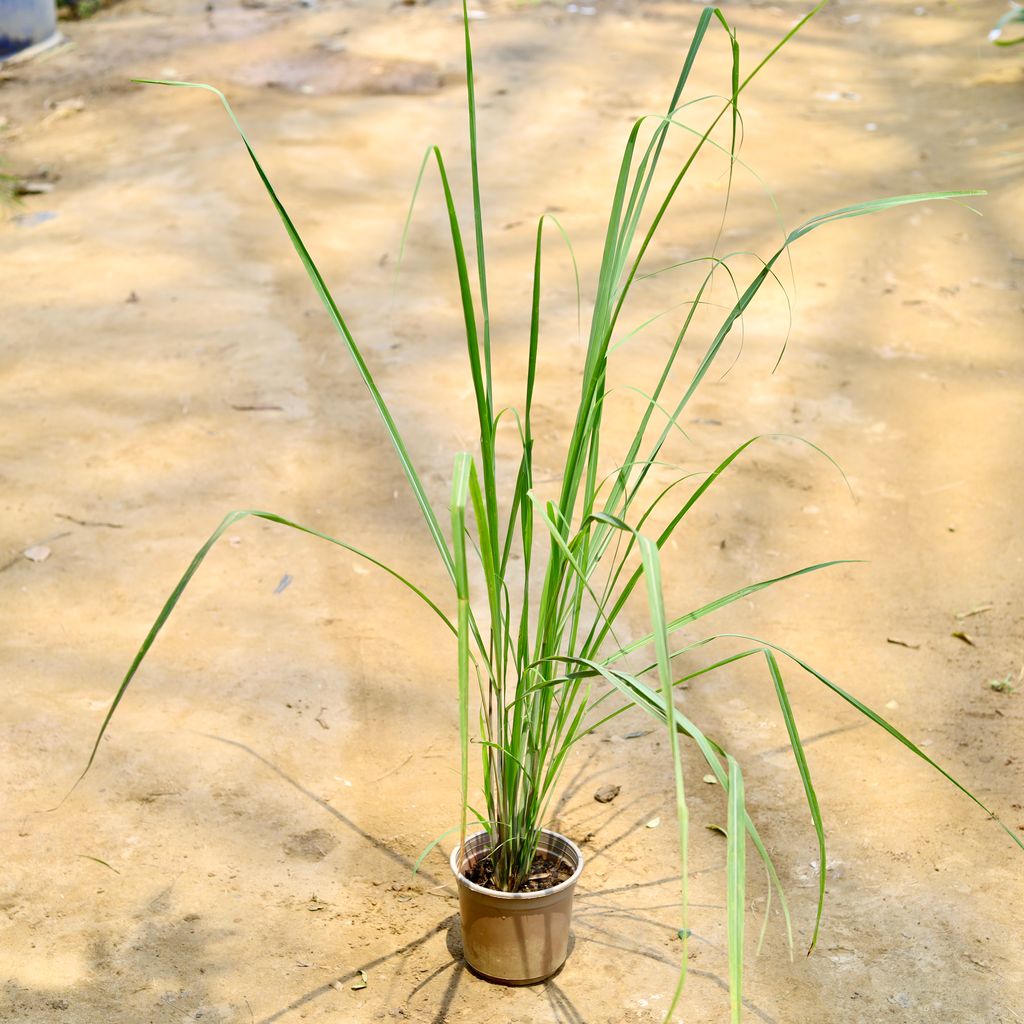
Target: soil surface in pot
545	873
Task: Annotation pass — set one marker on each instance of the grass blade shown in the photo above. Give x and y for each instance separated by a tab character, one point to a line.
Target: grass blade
867	712
460	492
169	605
736	887
652	573
323	291
805	778
722	602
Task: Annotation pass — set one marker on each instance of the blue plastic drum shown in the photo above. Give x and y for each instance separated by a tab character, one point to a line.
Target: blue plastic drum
25	23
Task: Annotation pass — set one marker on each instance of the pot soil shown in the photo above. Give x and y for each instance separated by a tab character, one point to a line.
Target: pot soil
517	938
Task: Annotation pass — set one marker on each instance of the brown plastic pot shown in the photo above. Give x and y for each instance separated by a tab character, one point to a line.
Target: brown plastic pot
516	938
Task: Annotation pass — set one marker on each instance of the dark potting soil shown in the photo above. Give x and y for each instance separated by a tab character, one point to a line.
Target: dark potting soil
545	873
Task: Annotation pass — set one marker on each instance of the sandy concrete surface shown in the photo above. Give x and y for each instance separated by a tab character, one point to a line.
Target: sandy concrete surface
243	846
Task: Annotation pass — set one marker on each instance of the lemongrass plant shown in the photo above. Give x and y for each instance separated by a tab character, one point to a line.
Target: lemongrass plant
539	644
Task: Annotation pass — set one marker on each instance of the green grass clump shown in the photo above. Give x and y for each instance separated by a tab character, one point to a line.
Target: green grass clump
82	9
540	659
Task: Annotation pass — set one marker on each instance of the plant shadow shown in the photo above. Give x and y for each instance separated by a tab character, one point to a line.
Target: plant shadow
456	969
593	914
593	920
376	843
562	1006
163	961
347	978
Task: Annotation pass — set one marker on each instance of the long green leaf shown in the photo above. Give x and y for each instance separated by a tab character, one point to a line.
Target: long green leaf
226	523
736	886
867	712
719	603
460	489
655	602
320	286
805	778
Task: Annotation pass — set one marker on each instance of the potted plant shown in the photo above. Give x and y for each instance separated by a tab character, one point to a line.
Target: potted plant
25	24
539	585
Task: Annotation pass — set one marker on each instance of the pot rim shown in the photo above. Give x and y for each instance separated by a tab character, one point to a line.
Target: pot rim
461	879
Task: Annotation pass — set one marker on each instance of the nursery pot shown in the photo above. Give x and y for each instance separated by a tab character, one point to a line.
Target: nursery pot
26	23
516	938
